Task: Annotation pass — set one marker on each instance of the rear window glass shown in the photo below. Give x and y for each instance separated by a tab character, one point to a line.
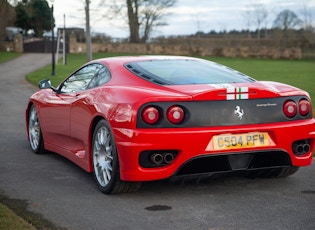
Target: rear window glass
183	72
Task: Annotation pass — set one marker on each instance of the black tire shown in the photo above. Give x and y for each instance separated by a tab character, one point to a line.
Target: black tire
34	131
106	164
273	173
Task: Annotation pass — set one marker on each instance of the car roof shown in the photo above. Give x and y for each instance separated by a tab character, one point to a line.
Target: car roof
124	59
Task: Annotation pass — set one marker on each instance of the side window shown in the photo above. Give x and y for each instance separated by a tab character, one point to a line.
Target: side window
100	78
81	79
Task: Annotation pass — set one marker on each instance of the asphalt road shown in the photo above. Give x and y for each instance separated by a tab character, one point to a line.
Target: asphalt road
67	196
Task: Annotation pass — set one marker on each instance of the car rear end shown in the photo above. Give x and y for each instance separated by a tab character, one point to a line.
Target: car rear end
223	127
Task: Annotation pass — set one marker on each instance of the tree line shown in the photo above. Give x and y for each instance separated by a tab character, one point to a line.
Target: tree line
144	16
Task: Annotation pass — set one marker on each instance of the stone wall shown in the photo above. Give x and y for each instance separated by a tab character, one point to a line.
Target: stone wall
15	46
233	50
214	48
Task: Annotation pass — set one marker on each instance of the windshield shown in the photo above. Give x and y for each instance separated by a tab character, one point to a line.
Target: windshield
182	72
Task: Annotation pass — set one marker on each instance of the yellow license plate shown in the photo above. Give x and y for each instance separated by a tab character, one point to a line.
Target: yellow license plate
244	140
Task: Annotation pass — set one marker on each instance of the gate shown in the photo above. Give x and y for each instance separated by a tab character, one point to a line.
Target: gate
38	45
42	45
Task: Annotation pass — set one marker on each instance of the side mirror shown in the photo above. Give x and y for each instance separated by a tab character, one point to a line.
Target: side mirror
46	84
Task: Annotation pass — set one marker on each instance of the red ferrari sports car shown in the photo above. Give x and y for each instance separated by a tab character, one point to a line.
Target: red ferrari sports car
135	119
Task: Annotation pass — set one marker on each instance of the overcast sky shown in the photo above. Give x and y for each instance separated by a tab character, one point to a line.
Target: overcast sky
187	16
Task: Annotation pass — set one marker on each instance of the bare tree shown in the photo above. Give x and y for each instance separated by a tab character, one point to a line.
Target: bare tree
143	15
248	20
260	15
152	14
133	20
256	14
286	20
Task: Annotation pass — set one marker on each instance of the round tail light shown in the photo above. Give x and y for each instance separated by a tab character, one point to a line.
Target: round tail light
289	108
304	107
175	114
150	115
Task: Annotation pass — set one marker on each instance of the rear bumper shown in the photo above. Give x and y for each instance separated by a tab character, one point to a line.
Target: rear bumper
195	143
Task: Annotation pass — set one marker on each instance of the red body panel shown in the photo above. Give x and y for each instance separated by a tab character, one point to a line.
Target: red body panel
67	121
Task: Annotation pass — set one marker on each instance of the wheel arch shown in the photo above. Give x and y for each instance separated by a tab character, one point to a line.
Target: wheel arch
93	125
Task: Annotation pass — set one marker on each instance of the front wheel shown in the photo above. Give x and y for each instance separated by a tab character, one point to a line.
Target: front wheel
34	132
106	163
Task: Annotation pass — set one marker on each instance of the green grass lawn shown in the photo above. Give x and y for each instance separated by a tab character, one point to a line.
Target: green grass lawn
10	221
7	56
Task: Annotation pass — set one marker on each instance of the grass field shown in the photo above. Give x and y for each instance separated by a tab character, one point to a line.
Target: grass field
10	221
6	56
299	73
